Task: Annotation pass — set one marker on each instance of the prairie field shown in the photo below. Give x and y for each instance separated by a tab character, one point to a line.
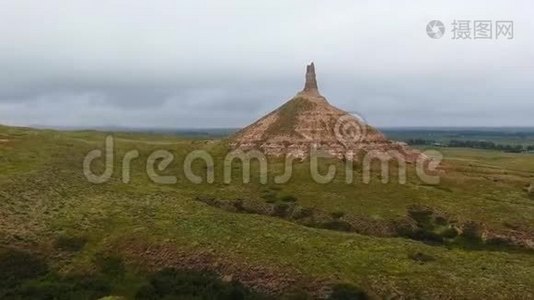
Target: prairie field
470	236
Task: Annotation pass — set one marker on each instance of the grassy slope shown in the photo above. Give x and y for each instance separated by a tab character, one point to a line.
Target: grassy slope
44	195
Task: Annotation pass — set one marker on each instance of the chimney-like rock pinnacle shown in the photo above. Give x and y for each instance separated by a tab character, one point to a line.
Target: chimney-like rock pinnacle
311	81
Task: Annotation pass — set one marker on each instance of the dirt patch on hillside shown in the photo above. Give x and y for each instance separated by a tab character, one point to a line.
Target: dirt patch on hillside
267	280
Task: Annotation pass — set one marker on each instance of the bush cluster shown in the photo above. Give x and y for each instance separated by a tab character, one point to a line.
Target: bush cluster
175	284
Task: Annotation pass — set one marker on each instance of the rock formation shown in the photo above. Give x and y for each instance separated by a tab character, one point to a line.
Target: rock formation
310	86
308	121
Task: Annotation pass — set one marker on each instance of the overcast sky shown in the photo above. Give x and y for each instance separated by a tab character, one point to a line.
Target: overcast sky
196	64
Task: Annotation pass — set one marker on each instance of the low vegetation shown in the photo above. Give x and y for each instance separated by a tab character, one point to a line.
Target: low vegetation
70	243
61	236
473	144
174	284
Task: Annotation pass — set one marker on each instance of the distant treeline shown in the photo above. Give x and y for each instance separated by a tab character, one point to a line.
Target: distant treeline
473	144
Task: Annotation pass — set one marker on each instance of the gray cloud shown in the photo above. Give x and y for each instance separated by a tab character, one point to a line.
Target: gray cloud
215	64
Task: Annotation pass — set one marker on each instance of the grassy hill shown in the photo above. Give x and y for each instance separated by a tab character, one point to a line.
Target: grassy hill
60	235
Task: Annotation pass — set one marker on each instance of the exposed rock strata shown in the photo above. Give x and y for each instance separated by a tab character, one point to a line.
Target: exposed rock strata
308	121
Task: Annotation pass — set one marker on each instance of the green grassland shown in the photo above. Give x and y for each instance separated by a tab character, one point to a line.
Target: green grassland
505	136
56	227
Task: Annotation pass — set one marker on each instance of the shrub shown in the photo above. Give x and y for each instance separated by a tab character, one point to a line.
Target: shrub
210	200
512	225
429	227
109	264
472	231
421	215
17	266
337	225
238	205
296	295
421	257
425	236
302	212
337	214
280	209
416	232
288	198
439	220
499	243
175	284
449	233
347	292
70	243
55	287
270	197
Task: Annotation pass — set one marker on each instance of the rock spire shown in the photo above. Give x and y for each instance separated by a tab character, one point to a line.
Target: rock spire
307	121
311	81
